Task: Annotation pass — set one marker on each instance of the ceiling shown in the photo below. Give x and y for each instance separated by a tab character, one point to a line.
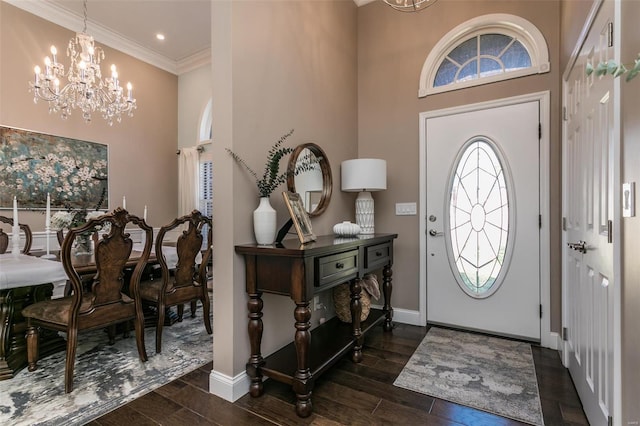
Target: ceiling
131	27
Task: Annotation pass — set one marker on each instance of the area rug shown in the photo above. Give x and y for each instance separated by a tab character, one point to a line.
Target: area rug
105	376
488	373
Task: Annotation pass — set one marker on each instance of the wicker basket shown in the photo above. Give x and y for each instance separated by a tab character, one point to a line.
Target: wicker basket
342	303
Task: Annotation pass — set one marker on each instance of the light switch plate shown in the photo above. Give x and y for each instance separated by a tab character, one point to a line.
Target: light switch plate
628	199
406	209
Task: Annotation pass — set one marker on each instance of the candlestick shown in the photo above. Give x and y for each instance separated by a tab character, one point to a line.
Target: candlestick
144	214
124	202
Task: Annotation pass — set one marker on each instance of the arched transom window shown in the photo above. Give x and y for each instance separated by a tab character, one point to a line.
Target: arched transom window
483	50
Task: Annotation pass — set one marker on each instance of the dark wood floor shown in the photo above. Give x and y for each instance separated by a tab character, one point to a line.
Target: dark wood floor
348	394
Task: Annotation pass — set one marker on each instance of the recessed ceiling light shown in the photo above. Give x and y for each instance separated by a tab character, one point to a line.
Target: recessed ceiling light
160	36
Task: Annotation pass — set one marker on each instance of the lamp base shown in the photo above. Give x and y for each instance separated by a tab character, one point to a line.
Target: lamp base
364	212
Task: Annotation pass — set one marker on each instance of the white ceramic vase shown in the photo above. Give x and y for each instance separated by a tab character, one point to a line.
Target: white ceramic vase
264	222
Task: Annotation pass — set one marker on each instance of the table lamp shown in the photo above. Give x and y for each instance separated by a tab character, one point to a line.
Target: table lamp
364	175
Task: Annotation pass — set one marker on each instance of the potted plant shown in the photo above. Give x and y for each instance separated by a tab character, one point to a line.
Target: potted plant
264	217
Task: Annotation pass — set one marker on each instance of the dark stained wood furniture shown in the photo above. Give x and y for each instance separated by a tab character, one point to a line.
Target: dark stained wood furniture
4	240
188	281
300	271
106	305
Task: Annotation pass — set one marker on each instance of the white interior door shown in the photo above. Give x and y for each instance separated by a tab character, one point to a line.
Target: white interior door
588	299
482	204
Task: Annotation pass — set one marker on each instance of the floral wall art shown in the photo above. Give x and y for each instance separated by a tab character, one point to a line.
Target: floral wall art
75	173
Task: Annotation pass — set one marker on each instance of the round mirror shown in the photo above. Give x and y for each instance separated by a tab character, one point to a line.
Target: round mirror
314	182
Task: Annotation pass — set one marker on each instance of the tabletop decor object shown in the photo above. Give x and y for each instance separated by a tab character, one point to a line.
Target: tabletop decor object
86	89
346	229
299	217
71	218
15	230
364	175
264	217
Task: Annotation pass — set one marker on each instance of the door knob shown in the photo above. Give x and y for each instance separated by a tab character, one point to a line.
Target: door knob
581	246
435	233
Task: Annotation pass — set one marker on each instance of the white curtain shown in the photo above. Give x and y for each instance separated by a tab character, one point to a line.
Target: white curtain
188	181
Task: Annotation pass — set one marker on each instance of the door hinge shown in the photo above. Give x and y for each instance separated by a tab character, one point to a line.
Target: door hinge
609	421
564	113
610	231
541	310
539	221
565	334
564	223
539	131
610	34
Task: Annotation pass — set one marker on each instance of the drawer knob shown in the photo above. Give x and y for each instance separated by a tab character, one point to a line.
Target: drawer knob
378	253
339	265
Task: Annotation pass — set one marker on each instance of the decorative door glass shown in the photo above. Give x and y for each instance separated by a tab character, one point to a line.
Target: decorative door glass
479	218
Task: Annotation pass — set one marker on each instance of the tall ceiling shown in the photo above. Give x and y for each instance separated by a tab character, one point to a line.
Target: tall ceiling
131	27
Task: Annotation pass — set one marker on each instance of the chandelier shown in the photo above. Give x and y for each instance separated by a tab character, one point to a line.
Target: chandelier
86	90
409	5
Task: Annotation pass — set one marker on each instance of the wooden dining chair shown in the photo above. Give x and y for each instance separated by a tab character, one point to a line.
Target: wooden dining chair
188	281
106	304
28	236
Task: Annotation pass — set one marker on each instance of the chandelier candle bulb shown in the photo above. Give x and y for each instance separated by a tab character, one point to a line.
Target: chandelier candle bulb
36	69
54	52
129	92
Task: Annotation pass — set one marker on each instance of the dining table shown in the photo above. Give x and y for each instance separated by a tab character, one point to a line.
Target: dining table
27	279
24	280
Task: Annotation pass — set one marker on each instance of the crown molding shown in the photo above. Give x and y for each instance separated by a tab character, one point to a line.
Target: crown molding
74	22
194	61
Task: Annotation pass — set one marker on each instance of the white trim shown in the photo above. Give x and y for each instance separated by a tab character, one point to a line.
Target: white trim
227	387
595	7
404	316
104	35
527	33
546	336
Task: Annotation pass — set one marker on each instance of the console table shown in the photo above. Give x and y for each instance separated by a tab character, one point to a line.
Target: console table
300	271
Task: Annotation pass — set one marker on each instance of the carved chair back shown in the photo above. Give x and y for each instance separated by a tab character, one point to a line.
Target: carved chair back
28	236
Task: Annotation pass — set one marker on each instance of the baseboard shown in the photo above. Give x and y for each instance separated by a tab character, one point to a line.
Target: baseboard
229	388
552	341
404	316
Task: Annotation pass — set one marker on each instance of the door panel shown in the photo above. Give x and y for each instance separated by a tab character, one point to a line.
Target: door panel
588	207
513	306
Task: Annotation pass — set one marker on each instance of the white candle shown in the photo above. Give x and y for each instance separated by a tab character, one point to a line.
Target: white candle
144	214
15	214
124	202
47	221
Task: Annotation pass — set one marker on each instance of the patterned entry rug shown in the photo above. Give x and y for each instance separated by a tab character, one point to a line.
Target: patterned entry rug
105	376
488	373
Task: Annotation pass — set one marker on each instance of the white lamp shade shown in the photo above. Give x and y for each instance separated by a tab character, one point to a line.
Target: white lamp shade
364	174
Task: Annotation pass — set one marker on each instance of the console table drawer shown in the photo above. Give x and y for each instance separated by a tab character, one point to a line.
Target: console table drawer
377	256
337	267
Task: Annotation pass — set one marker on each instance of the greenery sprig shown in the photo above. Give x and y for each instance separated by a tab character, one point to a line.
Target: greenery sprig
272	178
611	67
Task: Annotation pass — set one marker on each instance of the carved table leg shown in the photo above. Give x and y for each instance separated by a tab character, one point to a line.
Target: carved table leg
302	382
387	287
356	311
255	336
6	322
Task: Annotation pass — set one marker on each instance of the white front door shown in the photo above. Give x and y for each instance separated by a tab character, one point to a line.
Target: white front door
589	281
483	213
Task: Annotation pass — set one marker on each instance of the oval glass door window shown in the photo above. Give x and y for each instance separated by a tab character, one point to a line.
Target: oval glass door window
480	217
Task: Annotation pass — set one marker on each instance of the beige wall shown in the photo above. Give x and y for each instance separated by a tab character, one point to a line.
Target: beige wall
392	48
142	159
276	66
630	48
